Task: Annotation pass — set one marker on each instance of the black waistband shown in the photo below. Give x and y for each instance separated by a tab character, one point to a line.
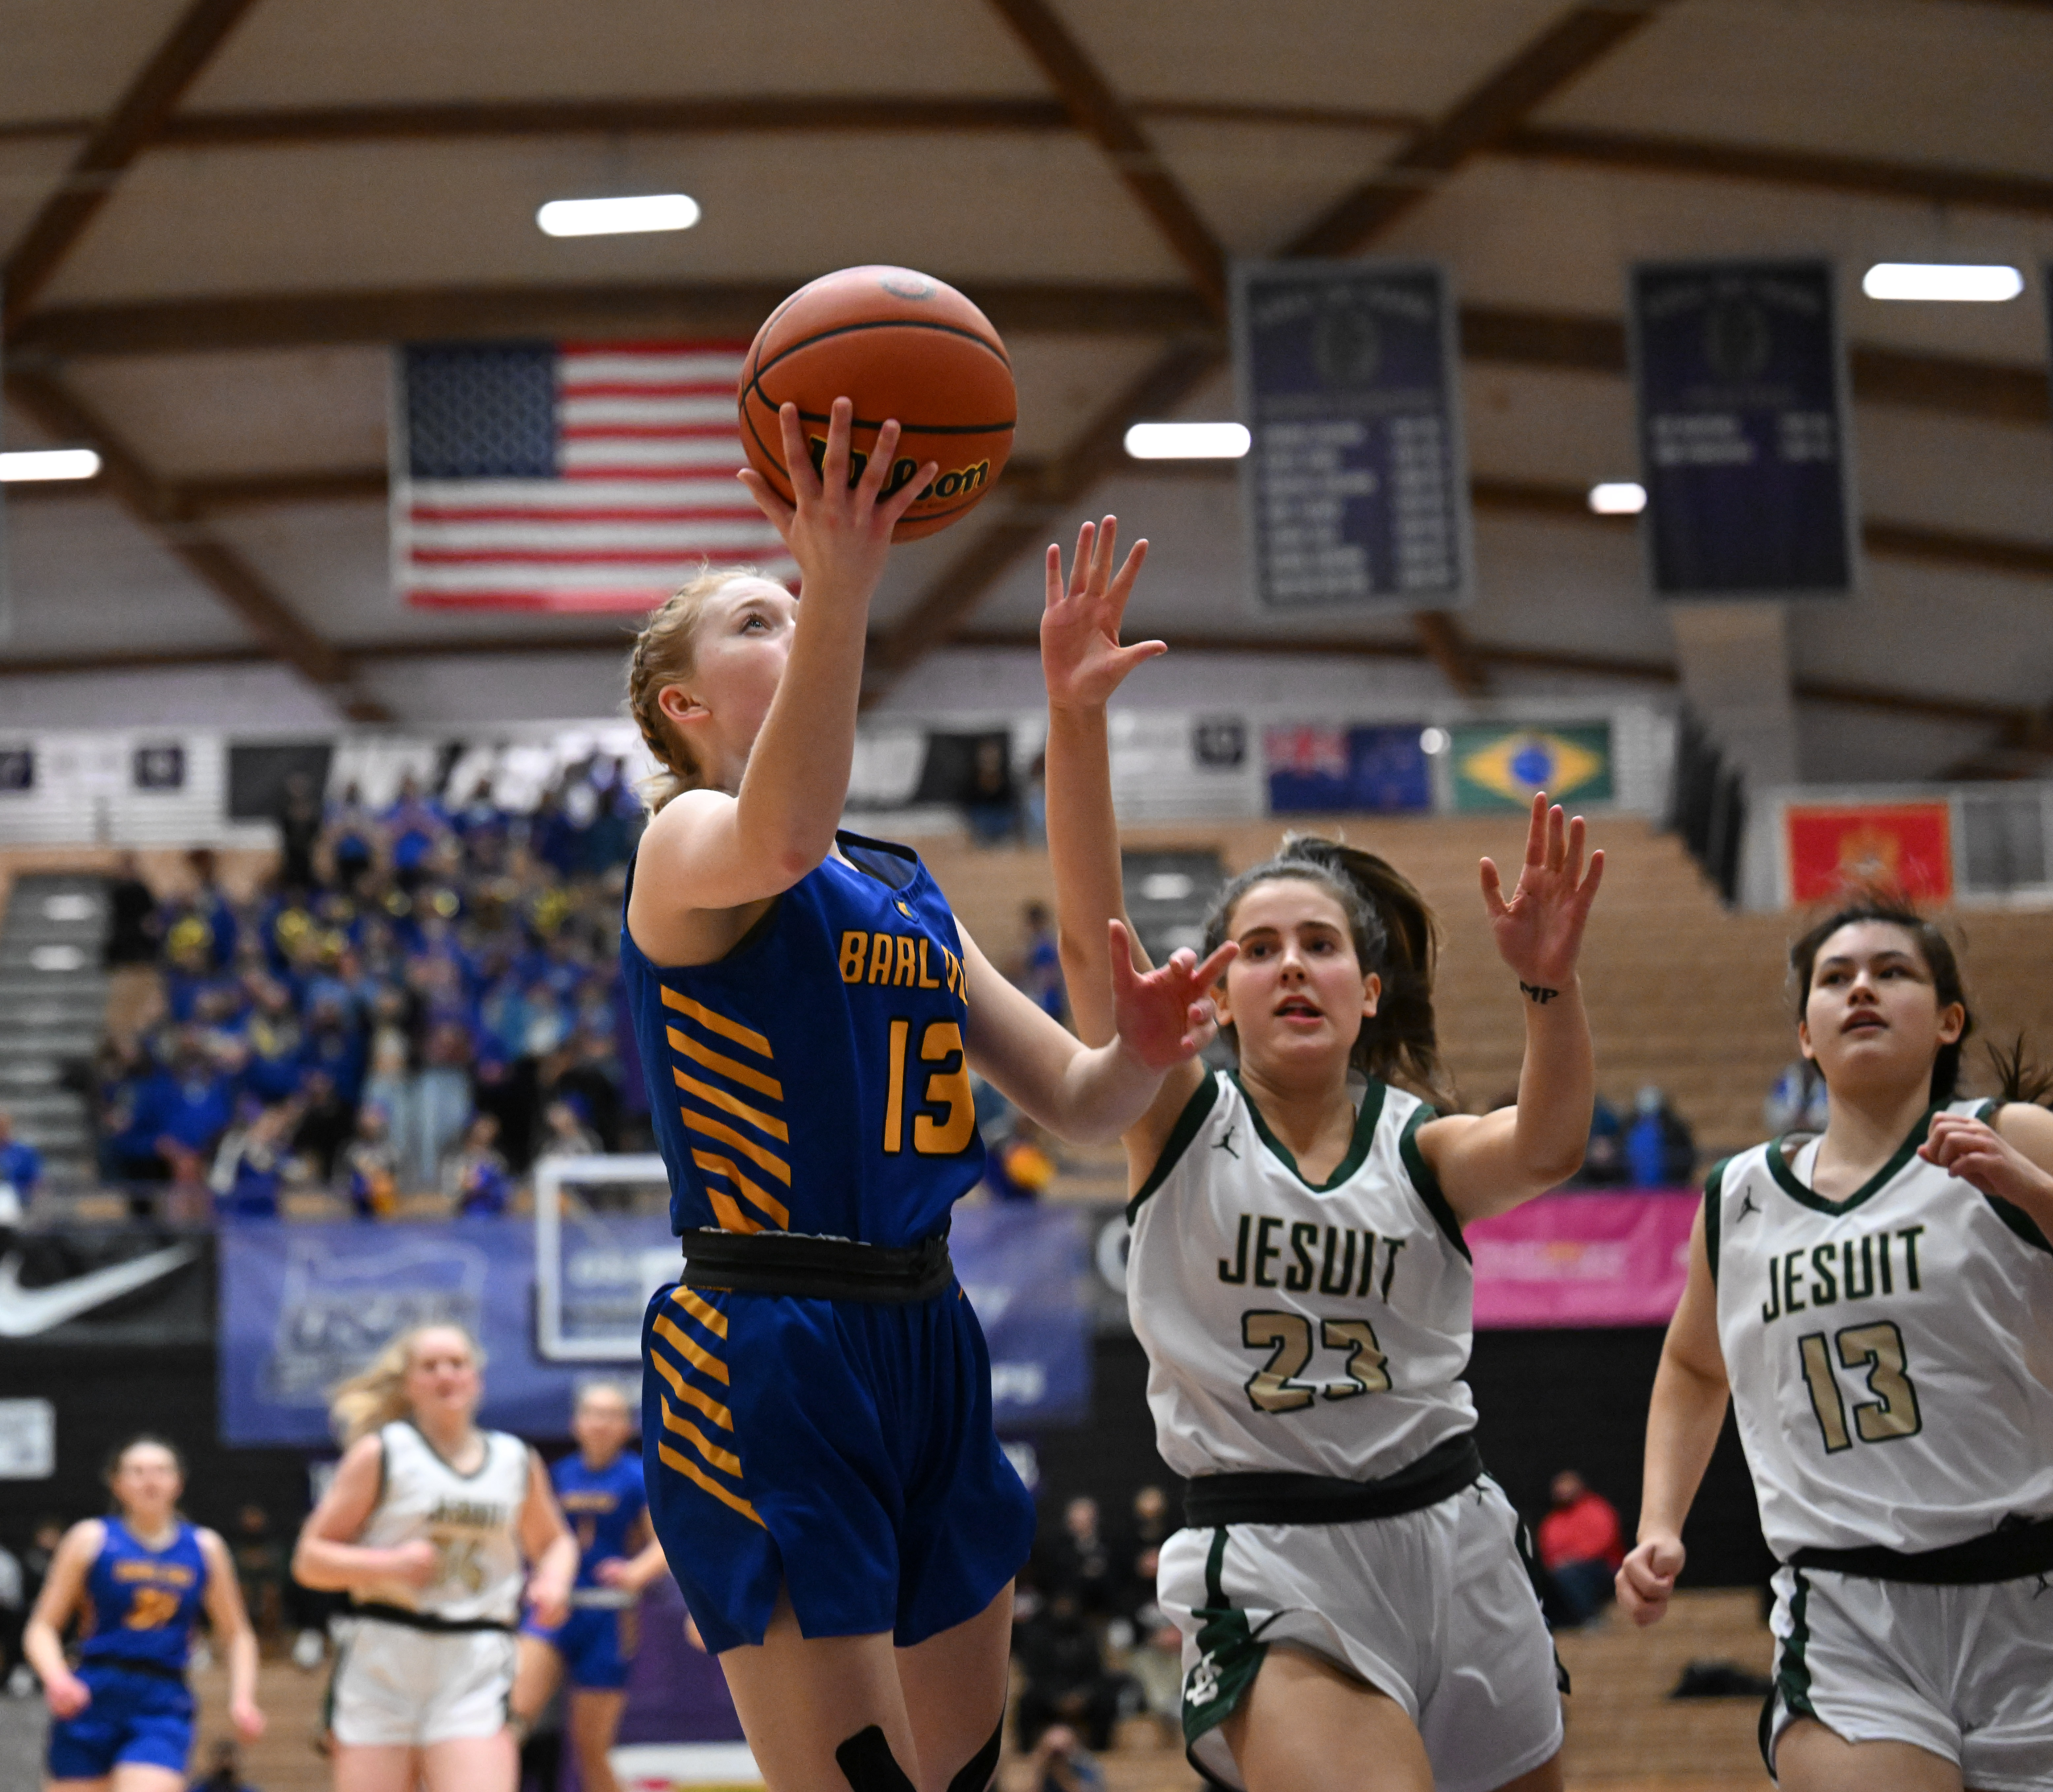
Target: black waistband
2016	1548
129	1664
812	1268
1281	1498
426	1621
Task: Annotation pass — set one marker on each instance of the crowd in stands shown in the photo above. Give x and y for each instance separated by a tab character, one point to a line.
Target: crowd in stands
426	998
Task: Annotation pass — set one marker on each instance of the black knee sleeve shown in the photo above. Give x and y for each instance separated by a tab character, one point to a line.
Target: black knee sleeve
982	1768
868	1764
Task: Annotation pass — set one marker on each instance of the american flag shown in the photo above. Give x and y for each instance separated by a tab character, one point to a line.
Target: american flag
570	476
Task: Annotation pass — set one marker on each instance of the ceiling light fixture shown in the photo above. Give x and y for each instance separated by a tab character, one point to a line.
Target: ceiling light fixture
1187	442
618	217
1618	498
1954	282
25	465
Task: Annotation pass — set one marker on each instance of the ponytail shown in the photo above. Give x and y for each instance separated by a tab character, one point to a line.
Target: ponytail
666	653
1394	935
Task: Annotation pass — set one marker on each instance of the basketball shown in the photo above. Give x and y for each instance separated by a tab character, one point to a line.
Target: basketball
895	343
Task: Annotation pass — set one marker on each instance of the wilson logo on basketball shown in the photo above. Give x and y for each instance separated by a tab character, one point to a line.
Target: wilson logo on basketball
958	484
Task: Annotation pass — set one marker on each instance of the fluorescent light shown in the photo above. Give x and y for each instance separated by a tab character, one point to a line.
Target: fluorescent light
26	464
1618	498
1186	441
618	217
1958	282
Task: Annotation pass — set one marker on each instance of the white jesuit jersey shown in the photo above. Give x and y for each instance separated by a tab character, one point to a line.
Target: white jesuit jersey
1316	1330
1891	1354
472	1520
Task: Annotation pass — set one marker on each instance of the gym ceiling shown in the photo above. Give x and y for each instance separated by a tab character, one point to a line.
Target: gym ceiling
219	214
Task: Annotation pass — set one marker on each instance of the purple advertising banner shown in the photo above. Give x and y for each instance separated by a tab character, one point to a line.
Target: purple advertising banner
1609	1259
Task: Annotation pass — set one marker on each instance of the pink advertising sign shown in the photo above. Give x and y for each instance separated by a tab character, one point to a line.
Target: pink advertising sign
1610	1259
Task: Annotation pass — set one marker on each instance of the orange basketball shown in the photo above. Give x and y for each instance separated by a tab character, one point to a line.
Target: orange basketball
895	343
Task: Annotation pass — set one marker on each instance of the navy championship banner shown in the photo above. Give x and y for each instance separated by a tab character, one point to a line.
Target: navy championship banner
1740	380
1356	487
302	1305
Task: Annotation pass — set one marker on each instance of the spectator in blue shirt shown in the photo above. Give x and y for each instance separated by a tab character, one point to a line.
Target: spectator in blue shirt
21	1169
477	1175
414	826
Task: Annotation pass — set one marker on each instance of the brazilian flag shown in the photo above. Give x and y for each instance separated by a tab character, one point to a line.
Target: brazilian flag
1500	767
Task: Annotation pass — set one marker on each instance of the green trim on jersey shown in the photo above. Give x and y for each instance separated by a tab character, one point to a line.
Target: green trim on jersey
1357	1150
1426	1183
1778	1166
2011	1215
1714	1197
1792	1673
2019	1222
1230	1656
1202	1099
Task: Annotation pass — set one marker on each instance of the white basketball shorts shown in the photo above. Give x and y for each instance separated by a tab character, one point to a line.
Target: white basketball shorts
394	1685
1964	1672
1434	1608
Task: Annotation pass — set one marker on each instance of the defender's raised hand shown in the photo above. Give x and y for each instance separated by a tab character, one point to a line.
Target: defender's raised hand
1166	1015
839	528
1082	659
1540	930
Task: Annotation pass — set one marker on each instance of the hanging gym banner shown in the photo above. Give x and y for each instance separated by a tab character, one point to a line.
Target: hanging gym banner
302	1305
1740	376
1356	485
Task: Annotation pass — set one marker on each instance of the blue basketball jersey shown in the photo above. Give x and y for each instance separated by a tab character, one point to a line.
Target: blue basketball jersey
602	1505
814	1079
143	1603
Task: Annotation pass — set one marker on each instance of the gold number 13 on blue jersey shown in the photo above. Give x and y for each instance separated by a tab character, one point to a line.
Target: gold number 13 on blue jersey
947	1087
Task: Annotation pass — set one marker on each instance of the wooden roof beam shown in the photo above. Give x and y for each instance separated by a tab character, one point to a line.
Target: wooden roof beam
107	154
160	507
424	314
1501	102
1104	117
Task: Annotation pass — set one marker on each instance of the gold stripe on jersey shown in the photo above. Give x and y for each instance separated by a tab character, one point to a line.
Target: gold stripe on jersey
707	1315
731	1217
727	1135
699	1358
718	1023
717	1165
734	1104
726	1461
691	1471
731	1068
691	1395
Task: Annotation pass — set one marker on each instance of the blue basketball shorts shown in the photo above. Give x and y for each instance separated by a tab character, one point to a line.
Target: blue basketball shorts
142	1717
842	1450
597	1644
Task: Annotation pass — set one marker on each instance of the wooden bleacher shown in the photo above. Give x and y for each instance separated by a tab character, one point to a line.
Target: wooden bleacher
1624	1734
1682	993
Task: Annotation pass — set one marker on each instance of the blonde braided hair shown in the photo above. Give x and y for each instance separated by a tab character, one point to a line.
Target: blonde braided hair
665	653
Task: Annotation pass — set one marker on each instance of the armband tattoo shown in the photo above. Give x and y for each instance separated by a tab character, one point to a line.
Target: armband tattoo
1537	992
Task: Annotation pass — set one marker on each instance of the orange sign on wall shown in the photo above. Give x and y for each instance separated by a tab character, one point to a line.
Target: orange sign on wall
1904	847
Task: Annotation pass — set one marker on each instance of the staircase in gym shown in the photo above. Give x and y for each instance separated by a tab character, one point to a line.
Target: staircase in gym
52	1011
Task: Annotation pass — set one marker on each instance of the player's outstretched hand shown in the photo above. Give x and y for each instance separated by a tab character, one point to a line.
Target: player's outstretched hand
1646	1579
839	528
247	1720
1166	1015
1974	1151
1540	930
1081	660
